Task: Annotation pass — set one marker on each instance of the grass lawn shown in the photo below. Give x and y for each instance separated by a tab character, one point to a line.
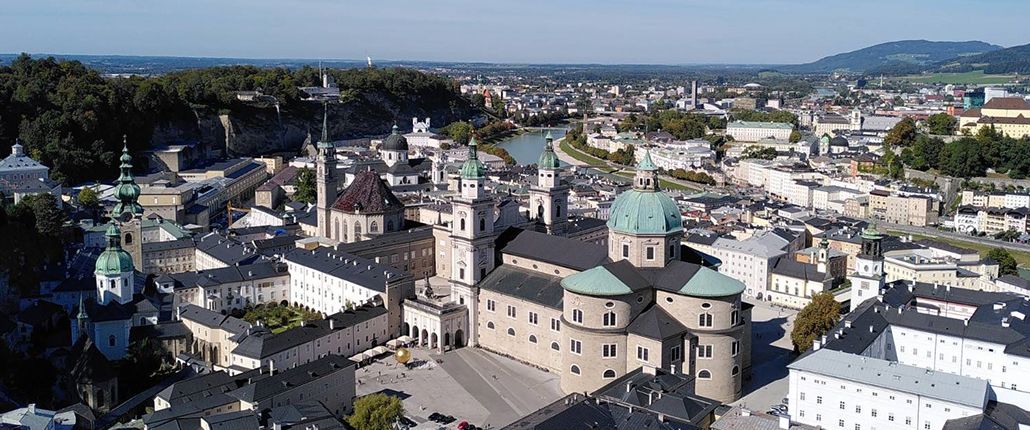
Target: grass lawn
1022	257
279	318
974	77
579	155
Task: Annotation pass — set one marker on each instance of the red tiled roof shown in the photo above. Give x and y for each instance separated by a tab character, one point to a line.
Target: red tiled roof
1007	103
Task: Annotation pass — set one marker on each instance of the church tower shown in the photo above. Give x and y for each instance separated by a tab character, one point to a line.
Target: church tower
128	210
325	166
868	279
472	237
549	197
114	271
80	326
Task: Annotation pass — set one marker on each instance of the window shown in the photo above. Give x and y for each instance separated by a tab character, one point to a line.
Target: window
111	340
641	353
858	426
704	320
818	417
511	332
840	423
532	339
890	417
842	405
608	350
734	348
676	352
609	319
511	311
926	425
461	224
734	317
650	253
704	351
908	421
704	374
734	371
555	324
858	409
482	224
873	413
577	316
491	305
490	325
574	369
555	346
575	346
608	374
625	250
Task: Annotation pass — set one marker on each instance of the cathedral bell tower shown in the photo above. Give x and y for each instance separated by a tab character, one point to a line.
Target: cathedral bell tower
549	197
128	210
325	181
472	237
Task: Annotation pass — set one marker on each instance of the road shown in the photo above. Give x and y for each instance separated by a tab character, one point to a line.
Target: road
563	156
933	232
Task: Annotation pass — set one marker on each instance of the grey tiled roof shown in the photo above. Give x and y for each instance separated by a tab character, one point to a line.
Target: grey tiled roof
560	251
354	269
526	284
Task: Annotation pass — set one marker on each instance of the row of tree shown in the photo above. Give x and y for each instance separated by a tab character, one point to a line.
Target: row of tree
681	125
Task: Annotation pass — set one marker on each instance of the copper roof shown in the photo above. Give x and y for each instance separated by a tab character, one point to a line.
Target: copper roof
368	194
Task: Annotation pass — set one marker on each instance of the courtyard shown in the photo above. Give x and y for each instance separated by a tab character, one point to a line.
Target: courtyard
771	351
469	384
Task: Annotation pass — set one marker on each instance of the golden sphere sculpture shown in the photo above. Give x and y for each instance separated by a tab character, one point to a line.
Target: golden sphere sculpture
402	355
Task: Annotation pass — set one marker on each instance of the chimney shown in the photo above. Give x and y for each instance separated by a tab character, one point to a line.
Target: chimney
271	367
648	370
785	422
815	345
847	323
629	386
32	408
745	412
870	328
332	324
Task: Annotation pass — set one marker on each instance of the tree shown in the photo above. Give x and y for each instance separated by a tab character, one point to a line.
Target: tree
376	412
49	218
902	134
88	198
459	131
795	136
1006	263
759	152
941	123
814	320
305	186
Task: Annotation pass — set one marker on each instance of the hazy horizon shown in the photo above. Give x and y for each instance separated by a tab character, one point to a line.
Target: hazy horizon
659	32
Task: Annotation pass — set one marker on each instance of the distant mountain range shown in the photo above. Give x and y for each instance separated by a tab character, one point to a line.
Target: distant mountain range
907	56
1009	60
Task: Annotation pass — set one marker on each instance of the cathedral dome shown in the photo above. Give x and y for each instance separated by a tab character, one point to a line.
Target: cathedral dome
645	209
395	141
114	260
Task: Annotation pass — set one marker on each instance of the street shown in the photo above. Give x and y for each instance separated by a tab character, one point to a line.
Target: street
771	351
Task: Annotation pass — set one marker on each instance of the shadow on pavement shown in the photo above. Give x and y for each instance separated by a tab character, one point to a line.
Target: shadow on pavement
769	362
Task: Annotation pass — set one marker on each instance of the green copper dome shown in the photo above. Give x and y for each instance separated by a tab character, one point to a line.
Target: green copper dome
871	233
645	209
472	168
548	159
395	141
114	260
597	281
709	283
645	212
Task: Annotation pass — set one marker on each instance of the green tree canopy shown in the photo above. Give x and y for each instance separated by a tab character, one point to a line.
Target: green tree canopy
795	136
902	134
941	123
814	320
375	412
305	186
88	198
459	131
1006	263
759	152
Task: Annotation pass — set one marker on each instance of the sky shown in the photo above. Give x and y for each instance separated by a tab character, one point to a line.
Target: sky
514	31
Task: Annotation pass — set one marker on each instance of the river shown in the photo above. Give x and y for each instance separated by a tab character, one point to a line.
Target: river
526	147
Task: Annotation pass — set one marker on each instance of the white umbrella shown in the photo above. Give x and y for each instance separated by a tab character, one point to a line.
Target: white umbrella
405	339
393	343
359	357
378	350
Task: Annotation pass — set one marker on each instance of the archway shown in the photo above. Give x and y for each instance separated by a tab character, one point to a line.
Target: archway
405	328
433	341
424	339
540	212
446	339
414	333
459	339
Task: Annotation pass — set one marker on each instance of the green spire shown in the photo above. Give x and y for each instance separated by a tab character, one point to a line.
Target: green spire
82	310
646	163
472	168
126	191
324	143
548	159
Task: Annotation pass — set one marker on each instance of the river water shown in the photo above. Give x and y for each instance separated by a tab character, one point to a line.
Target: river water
526	147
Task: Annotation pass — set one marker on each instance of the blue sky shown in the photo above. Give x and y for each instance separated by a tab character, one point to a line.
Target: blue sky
523	31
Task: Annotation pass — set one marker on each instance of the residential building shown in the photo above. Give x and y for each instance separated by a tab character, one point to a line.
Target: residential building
753	131
1007	115
895	208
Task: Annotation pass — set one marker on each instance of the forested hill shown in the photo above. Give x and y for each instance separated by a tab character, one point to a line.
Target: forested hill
893	54
72	118
1009	60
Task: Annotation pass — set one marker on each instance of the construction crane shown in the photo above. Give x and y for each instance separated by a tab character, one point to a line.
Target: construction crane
228	212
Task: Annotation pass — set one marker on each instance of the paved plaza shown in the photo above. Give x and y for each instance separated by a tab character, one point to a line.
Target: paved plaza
771	351
469	384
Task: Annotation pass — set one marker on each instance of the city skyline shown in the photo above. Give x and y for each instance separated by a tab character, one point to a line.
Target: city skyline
656	32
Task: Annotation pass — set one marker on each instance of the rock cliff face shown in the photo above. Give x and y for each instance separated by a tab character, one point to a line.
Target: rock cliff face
259	129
